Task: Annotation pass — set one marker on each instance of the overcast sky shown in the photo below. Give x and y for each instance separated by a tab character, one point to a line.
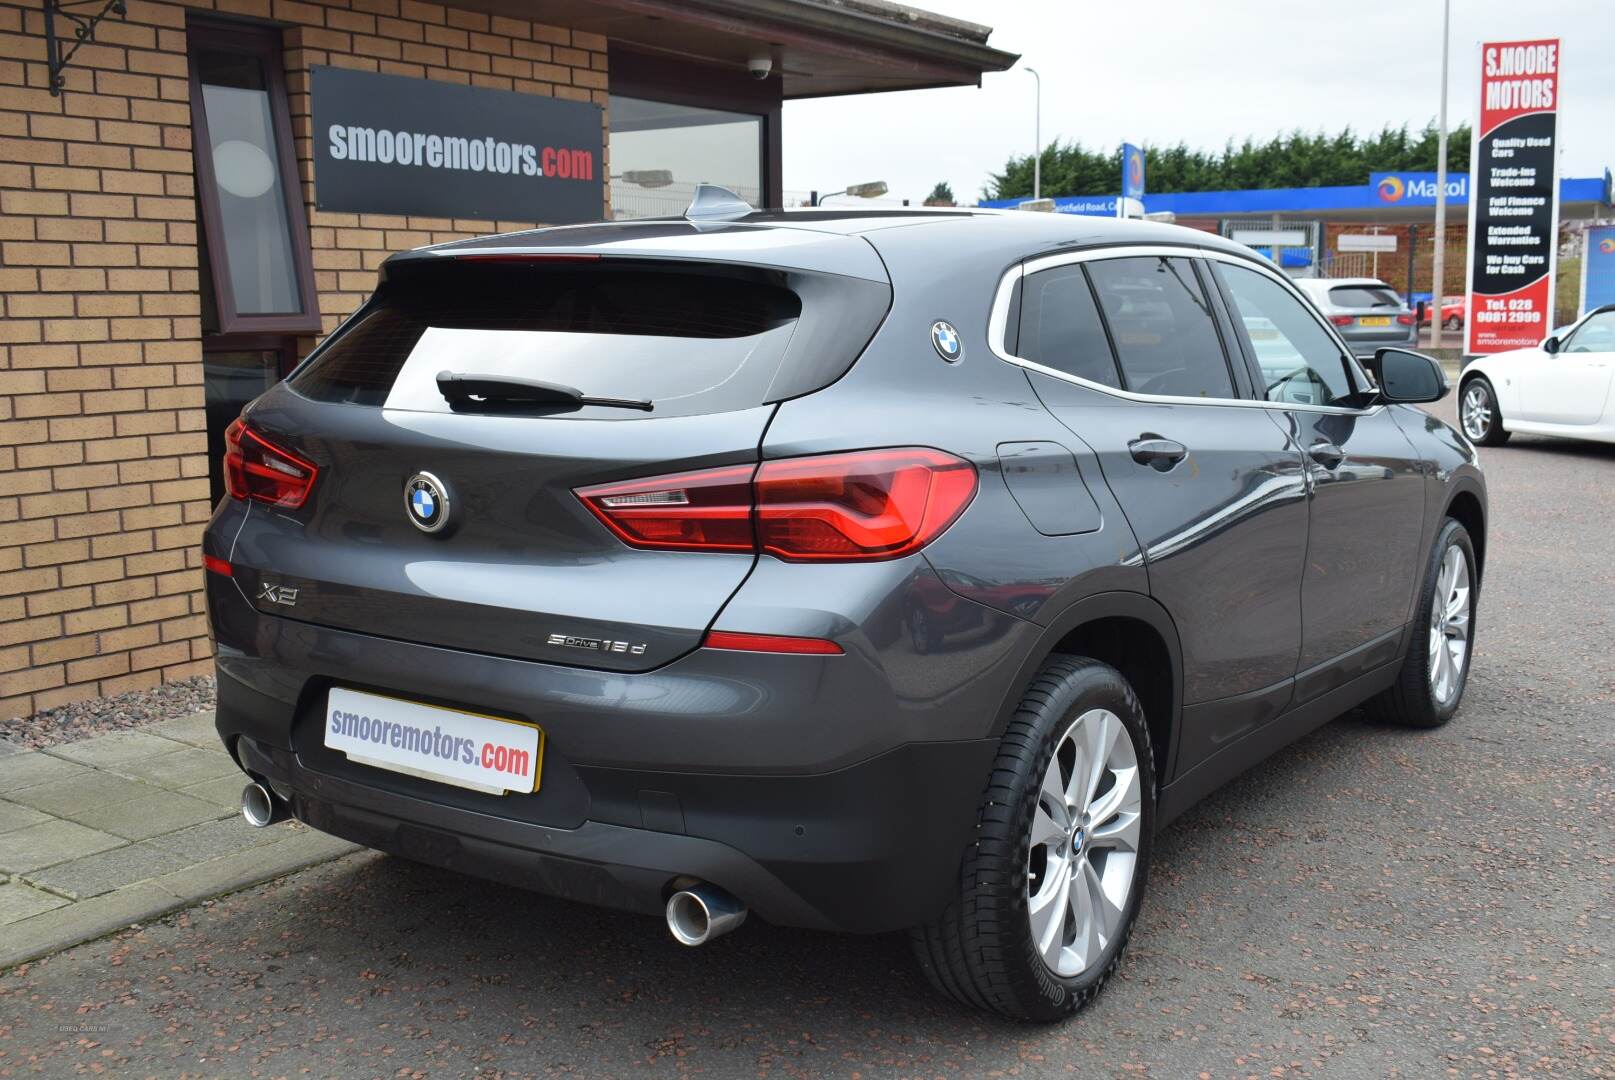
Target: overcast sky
1200	71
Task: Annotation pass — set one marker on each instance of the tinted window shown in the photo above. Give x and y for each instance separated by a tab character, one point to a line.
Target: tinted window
689	343
1300	361
1364	296
1597	334
1161	323
1060	326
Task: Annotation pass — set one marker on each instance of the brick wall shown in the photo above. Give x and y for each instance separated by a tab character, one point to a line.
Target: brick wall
1393	265
103	467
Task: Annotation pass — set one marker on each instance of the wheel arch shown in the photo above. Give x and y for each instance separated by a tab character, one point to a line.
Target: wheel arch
1467	506
1134	634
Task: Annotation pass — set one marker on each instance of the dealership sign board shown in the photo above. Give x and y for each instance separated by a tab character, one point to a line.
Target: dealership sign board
1514	196
386	144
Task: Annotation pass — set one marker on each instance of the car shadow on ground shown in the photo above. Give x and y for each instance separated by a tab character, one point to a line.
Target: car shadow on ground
404	922
1574	448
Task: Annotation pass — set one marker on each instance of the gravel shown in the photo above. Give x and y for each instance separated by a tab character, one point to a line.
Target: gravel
97	716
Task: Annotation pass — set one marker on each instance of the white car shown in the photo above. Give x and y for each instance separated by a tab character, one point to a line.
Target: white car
1561	387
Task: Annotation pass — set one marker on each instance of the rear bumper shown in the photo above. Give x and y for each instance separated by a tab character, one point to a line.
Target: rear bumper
805	786
859	850
1367	344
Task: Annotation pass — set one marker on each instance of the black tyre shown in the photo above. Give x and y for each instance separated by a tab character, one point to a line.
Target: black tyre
1453	322
1436	667
1069	805
1479	415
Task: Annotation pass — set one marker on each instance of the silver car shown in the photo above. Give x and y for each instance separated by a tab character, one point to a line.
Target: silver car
1368	313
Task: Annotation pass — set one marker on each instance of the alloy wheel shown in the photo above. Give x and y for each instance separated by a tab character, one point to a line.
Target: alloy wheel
1449	626
1477	411
1084	843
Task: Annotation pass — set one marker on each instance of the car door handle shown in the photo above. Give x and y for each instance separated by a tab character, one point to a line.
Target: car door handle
1159	453
1327	454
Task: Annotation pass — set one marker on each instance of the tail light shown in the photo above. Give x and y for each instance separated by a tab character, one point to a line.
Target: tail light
255	468
869	504
696	511
1341	320
1405	320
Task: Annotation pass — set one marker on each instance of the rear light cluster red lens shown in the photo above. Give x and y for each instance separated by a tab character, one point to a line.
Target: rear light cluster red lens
770	643
869	504
255	468
1405	320
1342	320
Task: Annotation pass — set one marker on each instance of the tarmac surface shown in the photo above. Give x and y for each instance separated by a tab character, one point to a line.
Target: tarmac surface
1371	902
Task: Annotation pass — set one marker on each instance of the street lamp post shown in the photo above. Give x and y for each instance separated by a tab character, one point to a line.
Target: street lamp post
1037	136
872	190
1439	263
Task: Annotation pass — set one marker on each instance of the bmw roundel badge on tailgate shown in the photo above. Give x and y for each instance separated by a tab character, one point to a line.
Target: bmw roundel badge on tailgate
426	501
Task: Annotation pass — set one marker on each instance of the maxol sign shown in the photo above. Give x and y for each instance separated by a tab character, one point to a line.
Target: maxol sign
1416	188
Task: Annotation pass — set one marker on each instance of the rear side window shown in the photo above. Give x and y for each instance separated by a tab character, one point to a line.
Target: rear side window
1061	329
687	342
1161	322
1364	296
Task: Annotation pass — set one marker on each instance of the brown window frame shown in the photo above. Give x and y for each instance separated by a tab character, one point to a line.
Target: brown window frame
656	77
264	43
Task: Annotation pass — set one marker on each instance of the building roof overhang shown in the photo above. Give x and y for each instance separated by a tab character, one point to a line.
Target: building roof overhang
818	48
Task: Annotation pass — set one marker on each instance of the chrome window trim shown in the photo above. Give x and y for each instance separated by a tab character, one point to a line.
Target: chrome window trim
998	325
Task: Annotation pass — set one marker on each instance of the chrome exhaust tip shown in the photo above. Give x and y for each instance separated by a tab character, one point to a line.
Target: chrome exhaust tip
260	807
702	912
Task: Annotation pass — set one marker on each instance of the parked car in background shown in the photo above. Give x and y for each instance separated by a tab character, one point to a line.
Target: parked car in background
1368	313
865	571
1561	387
1453	311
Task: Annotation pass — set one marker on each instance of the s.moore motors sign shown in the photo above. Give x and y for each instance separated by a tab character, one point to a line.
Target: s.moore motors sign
1514	196
387	144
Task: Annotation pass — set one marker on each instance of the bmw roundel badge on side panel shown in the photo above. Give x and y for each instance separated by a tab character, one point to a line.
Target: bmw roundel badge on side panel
426	502
946	339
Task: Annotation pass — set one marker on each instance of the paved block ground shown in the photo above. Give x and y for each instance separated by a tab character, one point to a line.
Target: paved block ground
110	830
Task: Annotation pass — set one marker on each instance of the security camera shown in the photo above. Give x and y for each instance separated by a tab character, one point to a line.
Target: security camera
758	67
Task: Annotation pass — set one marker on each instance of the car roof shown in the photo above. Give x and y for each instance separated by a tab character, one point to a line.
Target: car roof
828	240
1357	282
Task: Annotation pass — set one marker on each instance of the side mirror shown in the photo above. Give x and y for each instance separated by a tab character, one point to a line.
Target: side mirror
1550	344
1408	378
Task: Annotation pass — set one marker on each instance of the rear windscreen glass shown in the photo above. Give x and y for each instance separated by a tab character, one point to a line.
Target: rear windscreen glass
1364	296
687	343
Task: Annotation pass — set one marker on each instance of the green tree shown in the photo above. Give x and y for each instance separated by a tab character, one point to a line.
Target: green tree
942	193
1294	159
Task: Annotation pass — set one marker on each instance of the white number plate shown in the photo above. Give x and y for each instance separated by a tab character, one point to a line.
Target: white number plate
453	747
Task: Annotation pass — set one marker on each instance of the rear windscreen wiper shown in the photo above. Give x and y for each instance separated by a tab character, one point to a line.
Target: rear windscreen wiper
493	393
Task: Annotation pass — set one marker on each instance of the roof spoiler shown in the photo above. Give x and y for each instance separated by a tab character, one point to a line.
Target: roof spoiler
714	203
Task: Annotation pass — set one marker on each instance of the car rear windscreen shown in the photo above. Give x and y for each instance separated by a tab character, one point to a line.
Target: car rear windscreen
1364	296
686	342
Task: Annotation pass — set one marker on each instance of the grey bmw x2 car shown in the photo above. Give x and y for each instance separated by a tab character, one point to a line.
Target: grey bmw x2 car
865	571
